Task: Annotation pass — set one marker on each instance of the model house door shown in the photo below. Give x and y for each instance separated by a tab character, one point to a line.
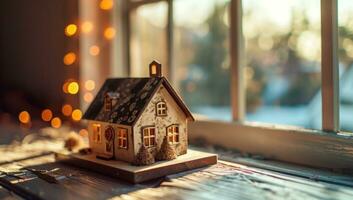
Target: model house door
109	141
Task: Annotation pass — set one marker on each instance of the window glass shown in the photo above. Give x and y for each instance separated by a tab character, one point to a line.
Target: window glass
148	40
345	53
201	56
122	138
161	109
282	69
149	136
97	135
173	134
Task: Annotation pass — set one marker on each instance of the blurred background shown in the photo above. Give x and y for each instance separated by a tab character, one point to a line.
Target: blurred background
56	54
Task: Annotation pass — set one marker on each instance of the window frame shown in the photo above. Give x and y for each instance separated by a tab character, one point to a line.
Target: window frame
149	137
121	139
174	134
327	147
95	133
165	109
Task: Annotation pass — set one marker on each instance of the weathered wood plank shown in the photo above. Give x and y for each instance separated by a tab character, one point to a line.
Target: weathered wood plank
137	174
222	181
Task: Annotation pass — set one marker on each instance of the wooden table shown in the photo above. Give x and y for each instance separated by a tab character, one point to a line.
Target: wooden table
226	180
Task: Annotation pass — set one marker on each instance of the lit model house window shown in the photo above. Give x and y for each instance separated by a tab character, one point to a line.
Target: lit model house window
97	134
122	138
173	134
149	136
161	108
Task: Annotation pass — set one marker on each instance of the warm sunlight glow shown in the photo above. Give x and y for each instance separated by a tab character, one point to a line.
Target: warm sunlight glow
106	4
109	33
73	88
88	97
24	117
94	50
76	115
70	30
69	58
56	122
83	133
90	85
86	27
47	115
66	110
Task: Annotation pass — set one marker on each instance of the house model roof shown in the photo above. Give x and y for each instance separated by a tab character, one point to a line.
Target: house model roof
132	96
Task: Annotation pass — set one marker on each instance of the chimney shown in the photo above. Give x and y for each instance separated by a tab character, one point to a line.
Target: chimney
155	69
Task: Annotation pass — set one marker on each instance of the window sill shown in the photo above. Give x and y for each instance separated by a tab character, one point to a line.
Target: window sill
283	143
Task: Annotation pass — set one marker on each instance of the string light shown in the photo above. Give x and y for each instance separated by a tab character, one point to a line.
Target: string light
69	58
56	122
76	115
94	50
66	109
73	88
109	33
88	97
83	132
106	4
70	30
86	27
47	115
90	85
24	117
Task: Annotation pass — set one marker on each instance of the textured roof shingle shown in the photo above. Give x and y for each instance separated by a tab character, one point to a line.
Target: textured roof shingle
132	94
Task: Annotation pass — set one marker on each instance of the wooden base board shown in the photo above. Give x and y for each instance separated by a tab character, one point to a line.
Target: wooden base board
137	174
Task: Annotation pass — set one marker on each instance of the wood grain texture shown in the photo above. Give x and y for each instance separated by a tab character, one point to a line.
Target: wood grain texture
137	174
237	55
224	180
329	65
287	144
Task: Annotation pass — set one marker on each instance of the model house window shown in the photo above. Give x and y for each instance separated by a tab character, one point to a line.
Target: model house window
149	136
97	134
122	138
161	108
173	134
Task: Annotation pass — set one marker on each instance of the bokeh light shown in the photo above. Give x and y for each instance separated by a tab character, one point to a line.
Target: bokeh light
66	110
109	33
76	115
86	27
65	87
83	132
24	117
56	122
94	50
69	58
70	30
90	85
73	88
106	4
88	97
47	115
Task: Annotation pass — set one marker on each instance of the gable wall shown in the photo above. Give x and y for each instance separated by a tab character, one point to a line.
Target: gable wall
120	154
174	116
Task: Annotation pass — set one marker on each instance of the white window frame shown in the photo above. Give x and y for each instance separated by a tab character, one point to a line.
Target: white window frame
97	133
161	108
173	131
122	137
150	137
328	148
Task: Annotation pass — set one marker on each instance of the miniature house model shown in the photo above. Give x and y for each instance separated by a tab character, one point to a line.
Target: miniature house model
130	116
